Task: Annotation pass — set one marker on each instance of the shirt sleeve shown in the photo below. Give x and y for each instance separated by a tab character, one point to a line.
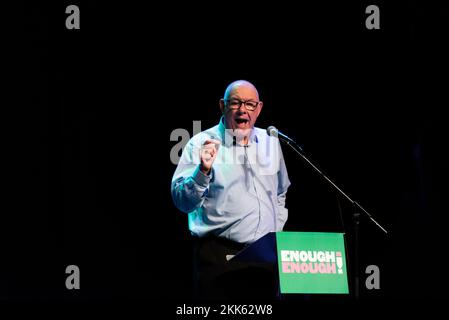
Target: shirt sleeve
189	185
283	184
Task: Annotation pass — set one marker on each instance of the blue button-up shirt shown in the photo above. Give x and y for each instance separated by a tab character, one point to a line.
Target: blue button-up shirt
243	197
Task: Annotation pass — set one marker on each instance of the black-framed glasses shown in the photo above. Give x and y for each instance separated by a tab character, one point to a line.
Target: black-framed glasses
236	103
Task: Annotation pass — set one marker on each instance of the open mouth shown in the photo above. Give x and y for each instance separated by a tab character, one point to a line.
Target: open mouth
241	121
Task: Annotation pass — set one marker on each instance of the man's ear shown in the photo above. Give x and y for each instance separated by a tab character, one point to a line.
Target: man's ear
222	106
260	108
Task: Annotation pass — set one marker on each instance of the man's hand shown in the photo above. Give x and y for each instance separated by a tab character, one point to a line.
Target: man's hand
208	153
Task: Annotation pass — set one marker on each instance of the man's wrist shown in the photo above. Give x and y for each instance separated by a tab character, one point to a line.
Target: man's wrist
201	178
205	171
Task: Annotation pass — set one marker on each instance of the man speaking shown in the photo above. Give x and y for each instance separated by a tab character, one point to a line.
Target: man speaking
232	182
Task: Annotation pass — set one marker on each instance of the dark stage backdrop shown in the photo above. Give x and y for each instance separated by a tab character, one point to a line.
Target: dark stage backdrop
89	170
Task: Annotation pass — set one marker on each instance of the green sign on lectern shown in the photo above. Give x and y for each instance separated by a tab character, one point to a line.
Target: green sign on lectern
312	262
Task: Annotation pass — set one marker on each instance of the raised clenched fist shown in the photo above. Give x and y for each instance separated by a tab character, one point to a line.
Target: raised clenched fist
208	153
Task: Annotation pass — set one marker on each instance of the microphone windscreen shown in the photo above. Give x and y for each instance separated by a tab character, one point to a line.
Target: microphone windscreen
272	131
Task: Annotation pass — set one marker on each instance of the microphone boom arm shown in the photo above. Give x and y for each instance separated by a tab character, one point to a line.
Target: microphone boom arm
295	147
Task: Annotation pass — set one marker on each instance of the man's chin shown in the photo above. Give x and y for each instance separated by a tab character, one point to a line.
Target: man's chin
242	132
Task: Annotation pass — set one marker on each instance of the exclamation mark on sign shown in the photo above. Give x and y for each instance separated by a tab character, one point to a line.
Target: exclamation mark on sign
339	262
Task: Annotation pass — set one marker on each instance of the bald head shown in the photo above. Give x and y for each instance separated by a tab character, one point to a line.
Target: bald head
241	85
241	106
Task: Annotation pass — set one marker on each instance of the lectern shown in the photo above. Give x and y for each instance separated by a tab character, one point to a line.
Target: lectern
306	262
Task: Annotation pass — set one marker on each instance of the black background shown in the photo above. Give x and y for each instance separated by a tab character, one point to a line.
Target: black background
89	170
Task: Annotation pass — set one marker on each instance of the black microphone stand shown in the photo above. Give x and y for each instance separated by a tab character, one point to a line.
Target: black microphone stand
357	209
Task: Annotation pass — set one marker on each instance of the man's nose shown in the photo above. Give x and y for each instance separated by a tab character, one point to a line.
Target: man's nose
242	108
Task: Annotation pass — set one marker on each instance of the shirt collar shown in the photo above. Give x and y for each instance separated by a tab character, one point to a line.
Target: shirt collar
228	138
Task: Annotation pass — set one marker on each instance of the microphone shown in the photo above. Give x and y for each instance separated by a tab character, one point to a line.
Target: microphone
273	132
